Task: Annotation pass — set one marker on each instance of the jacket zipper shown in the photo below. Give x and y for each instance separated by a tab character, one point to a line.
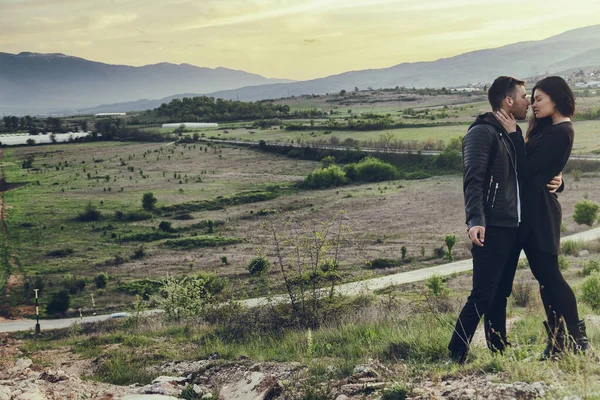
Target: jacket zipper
487	198
494	198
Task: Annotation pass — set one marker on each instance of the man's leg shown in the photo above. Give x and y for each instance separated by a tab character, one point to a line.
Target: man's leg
495	317
488	266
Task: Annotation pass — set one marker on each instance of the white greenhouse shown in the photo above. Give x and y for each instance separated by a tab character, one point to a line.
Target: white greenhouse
191	125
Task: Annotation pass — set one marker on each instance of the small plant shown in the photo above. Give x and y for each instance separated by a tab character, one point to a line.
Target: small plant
139	252
450	243
90	213
563	263
586	212
576	173
571	247
522	293
436	285
397	391
258	266
224	260
591	266
403	252
590	290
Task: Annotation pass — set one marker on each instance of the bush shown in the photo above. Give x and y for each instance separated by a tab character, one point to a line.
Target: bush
417	175
183	216
436	285
148	237
143	288
586	212
591	266
74	285
450	241
590	290
323	178
135	216
90	213
201	241
576	175
258	266
396	392
187	297
59	304
101	280
139	252
148	201
522	293
60	252
165	226
371	169
327	161
563	263
449	159
380	263
571	247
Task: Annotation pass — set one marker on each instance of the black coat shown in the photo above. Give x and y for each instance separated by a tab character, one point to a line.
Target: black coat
547	155
490	173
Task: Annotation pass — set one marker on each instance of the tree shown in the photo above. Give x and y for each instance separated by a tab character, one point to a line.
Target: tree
586	212
258	266
60	303
148	201
403	251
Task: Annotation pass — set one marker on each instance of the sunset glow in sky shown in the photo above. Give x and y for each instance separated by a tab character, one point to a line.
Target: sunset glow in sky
295	39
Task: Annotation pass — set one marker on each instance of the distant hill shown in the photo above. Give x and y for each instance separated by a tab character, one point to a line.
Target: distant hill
40	83
91	84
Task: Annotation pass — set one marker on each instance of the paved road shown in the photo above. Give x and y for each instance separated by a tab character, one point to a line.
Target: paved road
351	288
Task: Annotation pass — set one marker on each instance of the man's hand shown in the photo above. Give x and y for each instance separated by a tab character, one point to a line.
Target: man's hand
555	183
477	235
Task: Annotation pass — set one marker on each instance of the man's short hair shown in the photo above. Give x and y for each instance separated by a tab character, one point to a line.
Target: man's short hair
503	86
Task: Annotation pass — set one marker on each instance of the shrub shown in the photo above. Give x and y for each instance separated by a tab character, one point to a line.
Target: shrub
60	303
74	285
143	288
380	263
522	293
258	265
224	260
148	201
403	252
586	212
571	247
591	266
327	161
371	169
397	391
119	214
590	290
417	175
187	297
201	241
183	216
563	263
323	178
450	241
148	237
101	280
139	252
576	173
436	285
90	213
165	226
139	215
60	252
449	159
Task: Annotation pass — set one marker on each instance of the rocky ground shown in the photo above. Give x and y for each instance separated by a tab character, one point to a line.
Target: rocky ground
242	379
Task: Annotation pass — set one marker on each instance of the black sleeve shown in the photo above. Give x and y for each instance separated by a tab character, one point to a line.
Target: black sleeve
477	145
550	156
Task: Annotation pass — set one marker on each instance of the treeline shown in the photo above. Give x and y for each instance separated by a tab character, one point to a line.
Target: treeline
209	109
357	124
35	126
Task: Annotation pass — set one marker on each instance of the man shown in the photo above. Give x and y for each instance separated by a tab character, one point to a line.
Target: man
493	160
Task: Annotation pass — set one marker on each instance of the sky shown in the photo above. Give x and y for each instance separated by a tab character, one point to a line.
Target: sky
293	39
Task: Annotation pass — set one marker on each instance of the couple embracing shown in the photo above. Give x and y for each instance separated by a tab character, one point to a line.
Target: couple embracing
510	184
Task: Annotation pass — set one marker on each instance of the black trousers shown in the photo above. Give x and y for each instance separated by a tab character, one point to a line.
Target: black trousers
494	267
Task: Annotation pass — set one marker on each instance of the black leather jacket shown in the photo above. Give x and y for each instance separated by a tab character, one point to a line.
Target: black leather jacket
490	181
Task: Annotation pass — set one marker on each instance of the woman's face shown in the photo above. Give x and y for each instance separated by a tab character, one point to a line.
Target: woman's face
542	104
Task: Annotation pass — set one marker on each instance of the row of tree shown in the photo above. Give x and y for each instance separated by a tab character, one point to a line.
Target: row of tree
34	125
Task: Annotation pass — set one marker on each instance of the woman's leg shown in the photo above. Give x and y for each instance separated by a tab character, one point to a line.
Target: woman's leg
557	296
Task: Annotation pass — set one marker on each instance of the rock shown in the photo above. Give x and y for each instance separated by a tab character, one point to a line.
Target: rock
355	388
254	386
364	371
255	367
20	365
584	253
342	397
164	388
5	393
34	394
207	396
164	379
53	377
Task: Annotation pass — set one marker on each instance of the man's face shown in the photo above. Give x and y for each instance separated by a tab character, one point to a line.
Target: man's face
520	103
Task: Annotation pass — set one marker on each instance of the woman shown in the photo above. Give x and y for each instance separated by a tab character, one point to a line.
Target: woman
549	141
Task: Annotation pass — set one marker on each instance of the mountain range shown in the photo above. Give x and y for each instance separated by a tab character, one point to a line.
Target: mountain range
43	83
